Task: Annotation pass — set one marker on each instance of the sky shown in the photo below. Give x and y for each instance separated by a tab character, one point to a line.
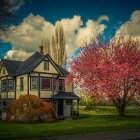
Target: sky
81	19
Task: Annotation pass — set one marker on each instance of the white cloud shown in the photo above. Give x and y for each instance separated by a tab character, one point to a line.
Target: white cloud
27	36
131	27
89	32
101	18
17	55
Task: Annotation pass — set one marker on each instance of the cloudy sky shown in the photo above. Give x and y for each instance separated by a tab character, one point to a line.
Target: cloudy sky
81	20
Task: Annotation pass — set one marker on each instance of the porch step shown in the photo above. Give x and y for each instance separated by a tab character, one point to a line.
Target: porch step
68	118
64	118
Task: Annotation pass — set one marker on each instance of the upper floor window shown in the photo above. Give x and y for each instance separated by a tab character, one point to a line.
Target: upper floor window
21	84
46	65
61	85
33	83
3	85
46	83
11	85
54	85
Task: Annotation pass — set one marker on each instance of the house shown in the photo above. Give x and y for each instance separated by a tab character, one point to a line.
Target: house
38	75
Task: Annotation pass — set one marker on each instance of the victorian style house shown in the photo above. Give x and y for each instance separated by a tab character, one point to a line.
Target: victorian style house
38	75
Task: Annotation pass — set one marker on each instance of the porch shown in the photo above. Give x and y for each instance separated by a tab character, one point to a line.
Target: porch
66	105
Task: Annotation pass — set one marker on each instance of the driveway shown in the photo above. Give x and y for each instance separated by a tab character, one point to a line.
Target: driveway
121	135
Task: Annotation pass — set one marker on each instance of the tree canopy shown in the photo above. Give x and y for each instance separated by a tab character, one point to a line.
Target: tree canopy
110	68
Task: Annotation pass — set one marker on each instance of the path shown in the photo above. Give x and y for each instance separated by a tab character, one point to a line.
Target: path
121	135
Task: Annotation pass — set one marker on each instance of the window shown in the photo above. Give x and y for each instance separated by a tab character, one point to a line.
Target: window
4	106
61	85
4	71
68	102
11	85
21	84
54	84
4	103
4	85
33	83
46	65
46	84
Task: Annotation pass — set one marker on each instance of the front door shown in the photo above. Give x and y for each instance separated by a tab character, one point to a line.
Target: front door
60	107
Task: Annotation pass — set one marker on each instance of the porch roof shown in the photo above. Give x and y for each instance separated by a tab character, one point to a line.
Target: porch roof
65	95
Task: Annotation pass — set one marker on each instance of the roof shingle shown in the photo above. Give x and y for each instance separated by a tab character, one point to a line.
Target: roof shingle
11	66
65	95
18	67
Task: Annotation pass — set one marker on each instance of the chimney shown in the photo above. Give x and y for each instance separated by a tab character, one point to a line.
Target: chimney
41	50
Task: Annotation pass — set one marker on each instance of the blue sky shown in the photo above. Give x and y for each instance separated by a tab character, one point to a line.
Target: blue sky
118	13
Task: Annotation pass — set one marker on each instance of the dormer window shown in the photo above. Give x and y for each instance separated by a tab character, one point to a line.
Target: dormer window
46	65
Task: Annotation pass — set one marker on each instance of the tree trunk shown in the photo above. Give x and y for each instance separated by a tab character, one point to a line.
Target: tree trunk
121	109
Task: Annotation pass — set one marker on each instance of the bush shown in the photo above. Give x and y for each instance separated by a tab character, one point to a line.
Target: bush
30	108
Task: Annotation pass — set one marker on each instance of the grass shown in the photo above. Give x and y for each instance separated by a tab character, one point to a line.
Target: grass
109	110
87	123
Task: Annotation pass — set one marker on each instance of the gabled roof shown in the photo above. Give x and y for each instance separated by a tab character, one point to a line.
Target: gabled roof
62	70
11	66
65	95
30	63
65	73
18	67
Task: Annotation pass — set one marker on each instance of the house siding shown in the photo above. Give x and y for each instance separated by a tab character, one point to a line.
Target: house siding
1	73
40	68
25	85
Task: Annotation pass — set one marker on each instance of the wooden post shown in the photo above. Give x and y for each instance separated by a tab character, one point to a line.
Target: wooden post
39	85
71	107
28	84
78	107
15	88
7	88
52	84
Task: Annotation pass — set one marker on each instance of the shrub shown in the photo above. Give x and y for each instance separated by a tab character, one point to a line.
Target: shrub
30	108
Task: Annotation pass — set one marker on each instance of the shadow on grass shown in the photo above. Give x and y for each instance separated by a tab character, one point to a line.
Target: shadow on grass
110	117
85	116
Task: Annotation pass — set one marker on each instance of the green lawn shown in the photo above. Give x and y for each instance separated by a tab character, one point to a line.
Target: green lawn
109	110
87	123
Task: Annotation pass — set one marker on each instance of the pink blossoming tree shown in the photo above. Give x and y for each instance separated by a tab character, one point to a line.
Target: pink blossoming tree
108	70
